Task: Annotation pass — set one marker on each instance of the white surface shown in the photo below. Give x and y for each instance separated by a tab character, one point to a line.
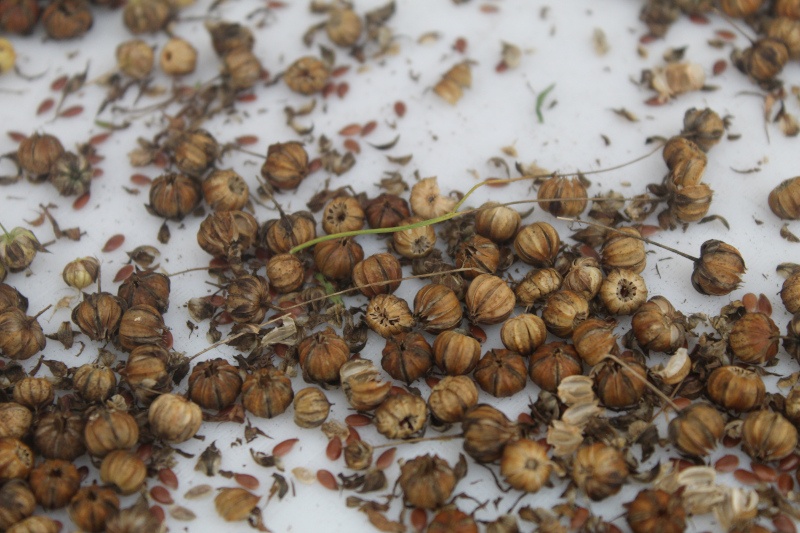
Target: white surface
445	141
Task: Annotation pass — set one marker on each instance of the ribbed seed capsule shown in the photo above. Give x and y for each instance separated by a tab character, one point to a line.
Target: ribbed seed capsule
656	511
415	242
478	254
563	197
787	31
763	60
225	190
690	203
784	200
537	285
455	353
623	292
173	196
740	8
486	432
311	407
599	470
18	503
452	397
307	75
427	481
342	214
584	277
501	373
657	326
623	249
563	311
407	356
704	127
523	333
377	274
719	270
754	338
321	356
768	436
619	387
267	392
388	315
436	308
553	362
525	465
401	417
174	419
282	234
335	259
286	165
489	300
214	384
537	244
697	429
735	388
497	222
594	338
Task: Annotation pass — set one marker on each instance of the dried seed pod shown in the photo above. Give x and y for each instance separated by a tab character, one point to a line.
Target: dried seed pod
146	16
36	524
18	249
553	362
784	200
697	429
621	250
594	338
16	459
623	292
343	27
563	197
656	511
311	407
135	58
235	504
15	420
415	242
754	338
787	8
124	470
283	234
450	87
229	36
523	334
386	211
735	388
719	270
195	151
60	435
341	214
787	31
451	519
537	244
242	69
377	274
525	465
307	75
178	58
362	384
146	372
790	293
791	342
37	153
486	432
401	417
501	373
695	7
768	436
248	299
286	273
33	393
451	398
455	353
174	419
146	287
141	324
388	315
479	255
173	196
427	201
599	470
19	16
267	392
225	190
762	61
618	387
107	430
489	300
321	356
657	326
54	482
21	336
99	315
497	222
358	455
740	8
82	272
407	357
563	311
92	506
336	259
286	165
537	285
214	384
11	297
71	174
690	203
18	503
427	481
67	19
584	277
705	128
436	308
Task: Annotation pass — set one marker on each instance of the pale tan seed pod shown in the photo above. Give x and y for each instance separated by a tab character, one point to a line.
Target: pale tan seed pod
225	190
436	308
178	57
377	274
82	272
658	326
497	222
452	397
427	201
450	87
790	293
787	31
415	242
623	292
584	277
33	393
235	504
599	470
388	315
401	417
455	353
704	127
623	248
762	61
697	429
343	27
15	420
719	269
784	200
563	197
342	214
363	385
686	161
690	203
489	300
242	69
525	465
523	333
307	75
787	8
594	338
563	311
135	58
537	285
735	388
537	244
124	470
285	272
311	407
174	419
768	436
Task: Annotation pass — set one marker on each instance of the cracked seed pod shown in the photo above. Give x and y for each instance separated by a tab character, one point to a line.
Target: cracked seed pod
623	292
37	153
455	353
656	510
82	272
174	419
562	197
21	336
146	16
451	398
282	234
704	127
754	338
377	274
15	420
386	211
401	417
343	27
67	19
735	388
71	174
36	524
599	470
501	373
146	372
92	507
18	249
388	315
235	504
415	242
617	387
784	200
497	222
214	384
436	308
123	470
19	16
321	356
267	392
537	244
18	503
34	393
479	255
762	61
768	436
59	435
99	315
228	234
241	69
94	382
173	196
194	151
427	481
584	277
621	250
696	430
523	334
740	8
341	214
657	326
179	58
307	75
790	293
286	165
787	31
525	465
335	259
16	459
358	455
135	58
286	273
427	201
225	190
719	270
311	407
141	324
489	300
146	287
687	172
248	299
486	432
362	384
11	297
54	482
407	357
107	430
553	362
537	285
690	203
563	311
229	36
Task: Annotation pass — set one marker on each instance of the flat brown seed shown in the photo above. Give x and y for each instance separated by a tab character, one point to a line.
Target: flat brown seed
141	179
283	448
783	524
368	128
100	138
327	480
419	519
352	146
789	463
246	140
81	201
17	136
764	472
719	67
45	106
168	478
386	459
727	463
247	481
73	111
342	88
400	109
114	242
334	449
200	491
59	83
745	477
123	273
350	129
357	420
158	512
161	495
785	483
181	513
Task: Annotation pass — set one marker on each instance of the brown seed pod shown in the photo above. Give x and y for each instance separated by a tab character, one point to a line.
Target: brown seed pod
267	392
286	165
335	259
525	465
616	386
754	338
497	222
195	151
427	481
599	470
705	128
307	75
92	506
436	308
792	405
620	250
37	153
343	27
486	432
18	503
19	16
99	315
787	31
623	292
407	357
768	436
11	297
341	214
60	435
311	407
33	393
762	61
15	420
452	519
489	300
146	16
455	353
54	482
735	388
695	7
36	524
697	429
386	211
235	504
286	273
553	362
401	417
135	58
141	324
21	336
478	254
656	511
537	285
690	203
790	293
214	384
248	299
784	200
719	270
450	87
242	69
740	8
358	455
179	58
71	174
388	315
791	342
107	430
523	334
225	190
67	19
563	311
594	338
321	356
377	274
584	277
563	197
787	8
283	234
146	287
173	196
501	373
451	398
16	459
229	36
415	242
82	272
124	470
537	244
362	384
18	249
657	326
427	201
174	419
146	372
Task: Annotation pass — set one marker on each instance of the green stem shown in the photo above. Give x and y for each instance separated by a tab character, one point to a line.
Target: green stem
4	230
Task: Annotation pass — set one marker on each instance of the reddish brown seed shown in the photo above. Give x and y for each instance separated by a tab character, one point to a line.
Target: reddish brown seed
654	101
460	45
525	418
314	165
114	242
250	97
161	160
17	136
357	420
579	518
141	179
386	459
123	273
399	109
783	524
73	111
764	472
246	140
350	129
334	448
719	67
145	452
726	463
161	495
745	477
59	83
81	201
785	483
328	90
167	339
341	89
352	435
339	71
167	477
647	38
789	463
45	106
283	448
158	512
247	481
489	8
478	333
100	138
327	480
432	381
368	128
730	442
682	403
352	146
224	318
419	519
681	464
726	34
699	19
83	471
97	172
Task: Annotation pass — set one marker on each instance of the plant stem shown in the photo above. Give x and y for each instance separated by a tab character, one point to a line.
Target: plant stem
638	376
418	439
